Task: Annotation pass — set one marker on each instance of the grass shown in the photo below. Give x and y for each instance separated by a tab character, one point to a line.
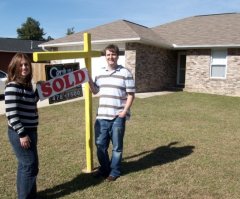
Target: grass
177	146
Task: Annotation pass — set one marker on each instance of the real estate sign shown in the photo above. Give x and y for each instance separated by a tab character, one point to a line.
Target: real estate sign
63	82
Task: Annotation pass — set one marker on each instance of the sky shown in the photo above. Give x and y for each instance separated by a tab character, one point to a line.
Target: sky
57	16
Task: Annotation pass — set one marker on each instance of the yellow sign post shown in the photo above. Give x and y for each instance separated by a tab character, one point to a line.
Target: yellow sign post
87	54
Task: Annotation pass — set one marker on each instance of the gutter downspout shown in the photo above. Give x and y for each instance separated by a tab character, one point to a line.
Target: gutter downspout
44	49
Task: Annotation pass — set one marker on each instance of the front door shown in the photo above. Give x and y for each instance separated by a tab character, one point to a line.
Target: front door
181	68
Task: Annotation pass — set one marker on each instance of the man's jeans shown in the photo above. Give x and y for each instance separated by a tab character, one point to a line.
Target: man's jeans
106	131
27	165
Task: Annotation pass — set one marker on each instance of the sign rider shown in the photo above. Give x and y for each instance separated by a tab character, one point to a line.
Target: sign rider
87	54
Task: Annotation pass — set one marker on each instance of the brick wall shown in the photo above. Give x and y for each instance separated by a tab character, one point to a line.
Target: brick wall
198	73
154	69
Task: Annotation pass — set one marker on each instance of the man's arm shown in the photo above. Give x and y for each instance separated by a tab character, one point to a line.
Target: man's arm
92	86
128	104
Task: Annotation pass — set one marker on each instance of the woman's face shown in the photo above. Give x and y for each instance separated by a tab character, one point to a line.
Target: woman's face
24	68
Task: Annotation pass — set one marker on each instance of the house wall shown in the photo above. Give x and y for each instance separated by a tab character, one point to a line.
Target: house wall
154	69
5	59
198	73
38	68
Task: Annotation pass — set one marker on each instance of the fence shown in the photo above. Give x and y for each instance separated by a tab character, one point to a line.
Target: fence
39	71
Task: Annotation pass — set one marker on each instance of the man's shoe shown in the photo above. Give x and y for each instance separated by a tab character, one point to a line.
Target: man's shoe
99	174
112	178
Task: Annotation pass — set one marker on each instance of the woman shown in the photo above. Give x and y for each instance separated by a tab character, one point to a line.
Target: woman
22	115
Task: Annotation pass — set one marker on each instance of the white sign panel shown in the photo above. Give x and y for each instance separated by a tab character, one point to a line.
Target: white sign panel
62	83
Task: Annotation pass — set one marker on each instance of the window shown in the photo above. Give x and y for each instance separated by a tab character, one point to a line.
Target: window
219	63
181	68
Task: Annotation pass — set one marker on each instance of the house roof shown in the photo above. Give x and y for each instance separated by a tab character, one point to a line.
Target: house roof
120	31
18	45
216	30
219	30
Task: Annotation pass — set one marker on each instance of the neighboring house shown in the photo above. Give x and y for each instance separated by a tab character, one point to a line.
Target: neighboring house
10	46
198	54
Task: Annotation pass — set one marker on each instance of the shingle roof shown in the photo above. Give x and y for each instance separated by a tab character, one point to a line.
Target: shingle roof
198	31
204	30
18	45
116	31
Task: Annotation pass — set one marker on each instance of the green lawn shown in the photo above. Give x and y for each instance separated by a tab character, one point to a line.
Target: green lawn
182	145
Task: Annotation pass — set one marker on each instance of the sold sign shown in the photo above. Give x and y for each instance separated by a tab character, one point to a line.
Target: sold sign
62	83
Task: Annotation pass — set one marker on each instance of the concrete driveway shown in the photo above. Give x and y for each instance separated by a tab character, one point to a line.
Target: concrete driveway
45	103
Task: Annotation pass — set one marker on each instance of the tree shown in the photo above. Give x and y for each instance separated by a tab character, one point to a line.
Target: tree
49	38
31	30
70	31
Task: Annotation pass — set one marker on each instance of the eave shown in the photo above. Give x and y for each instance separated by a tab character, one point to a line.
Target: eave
182	47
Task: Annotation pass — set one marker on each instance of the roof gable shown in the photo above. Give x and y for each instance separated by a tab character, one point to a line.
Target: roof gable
117	31
217	30
204	30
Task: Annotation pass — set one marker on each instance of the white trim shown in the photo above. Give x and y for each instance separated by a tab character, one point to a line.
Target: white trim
93	42
175	46
205	46
99	42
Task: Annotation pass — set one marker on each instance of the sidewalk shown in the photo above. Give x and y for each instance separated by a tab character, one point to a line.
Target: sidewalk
45	103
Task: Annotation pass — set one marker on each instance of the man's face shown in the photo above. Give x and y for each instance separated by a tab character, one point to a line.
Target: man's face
111	58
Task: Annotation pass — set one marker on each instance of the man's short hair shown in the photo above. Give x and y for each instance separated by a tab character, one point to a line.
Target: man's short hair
111	48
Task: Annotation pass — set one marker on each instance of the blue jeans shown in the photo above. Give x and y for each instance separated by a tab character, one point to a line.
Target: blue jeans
106	131
27	165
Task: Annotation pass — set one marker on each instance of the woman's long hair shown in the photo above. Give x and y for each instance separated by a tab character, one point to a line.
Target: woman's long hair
14	72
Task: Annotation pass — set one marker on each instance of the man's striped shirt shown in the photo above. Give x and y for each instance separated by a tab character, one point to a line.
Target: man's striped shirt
114	87
21	108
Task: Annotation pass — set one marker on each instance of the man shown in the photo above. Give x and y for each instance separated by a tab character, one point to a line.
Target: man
116	87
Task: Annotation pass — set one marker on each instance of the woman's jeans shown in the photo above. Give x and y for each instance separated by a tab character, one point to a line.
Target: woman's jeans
27	165
106	131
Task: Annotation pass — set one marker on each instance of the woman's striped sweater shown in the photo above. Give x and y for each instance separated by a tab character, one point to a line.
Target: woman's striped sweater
21	108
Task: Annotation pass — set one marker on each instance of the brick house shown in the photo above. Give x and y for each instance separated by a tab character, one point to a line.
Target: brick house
197	54
10	46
